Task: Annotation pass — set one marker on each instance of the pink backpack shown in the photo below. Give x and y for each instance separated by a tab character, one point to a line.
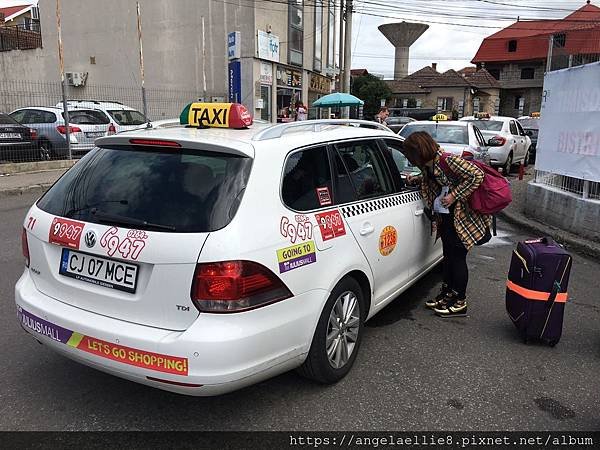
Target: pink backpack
492	195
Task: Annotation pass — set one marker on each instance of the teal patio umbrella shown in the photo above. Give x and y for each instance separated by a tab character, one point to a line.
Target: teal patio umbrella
337	99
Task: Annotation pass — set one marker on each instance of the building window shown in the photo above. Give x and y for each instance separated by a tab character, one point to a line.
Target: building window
296	31
444	103
512	46
518	101
495	73
560	40
318	34
527	73
331	35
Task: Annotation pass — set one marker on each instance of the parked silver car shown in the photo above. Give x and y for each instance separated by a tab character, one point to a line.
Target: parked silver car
86	125
459	138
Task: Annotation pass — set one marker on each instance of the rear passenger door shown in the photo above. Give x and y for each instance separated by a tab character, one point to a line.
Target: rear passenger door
380	221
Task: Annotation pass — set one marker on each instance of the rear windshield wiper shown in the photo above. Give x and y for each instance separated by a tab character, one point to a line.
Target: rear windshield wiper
115	219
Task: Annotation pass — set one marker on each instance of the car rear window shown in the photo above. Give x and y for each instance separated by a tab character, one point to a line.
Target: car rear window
447	134
489	125
183	191
88	117
126	117
5	119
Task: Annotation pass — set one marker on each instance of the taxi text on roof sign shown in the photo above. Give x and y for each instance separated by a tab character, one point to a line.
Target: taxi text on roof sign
216	115
440	117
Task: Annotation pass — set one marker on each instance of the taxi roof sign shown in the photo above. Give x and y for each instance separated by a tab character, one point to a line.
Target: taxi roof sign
482	115
439	117
215	115
535	115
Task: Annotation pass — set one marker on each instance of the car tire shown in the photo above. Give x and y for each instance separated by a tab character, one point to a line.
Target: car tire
526	160
330	359
45	151
506	168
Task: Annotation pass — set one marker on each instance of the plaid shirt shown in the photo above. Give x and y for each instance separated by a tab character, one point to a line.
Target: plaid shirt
470	226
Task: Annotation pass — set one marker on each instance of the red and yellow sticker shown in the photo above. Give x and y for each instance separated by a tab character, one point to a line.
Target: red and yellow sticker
388	240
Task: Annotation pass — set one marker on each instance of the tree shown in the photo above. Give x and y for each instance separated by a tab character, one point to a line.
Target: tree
371	90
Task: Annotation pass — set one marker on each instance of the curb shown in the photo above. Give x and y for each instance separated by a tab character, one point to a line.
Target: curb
37	166
34	188
577	244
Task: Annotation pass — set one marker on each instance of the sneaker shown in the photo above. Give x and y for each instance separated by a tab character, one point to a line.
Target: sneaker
437	301
456	309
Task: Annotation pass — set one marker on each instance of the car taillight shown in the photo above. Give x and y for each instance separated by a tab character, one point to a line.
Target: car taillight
467	154
25	247
233	286
63	130
112	129
497	141
33	133
154	142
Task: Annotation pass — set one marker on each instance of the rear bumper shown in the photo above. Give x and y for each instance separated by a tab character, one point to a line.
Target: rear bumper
498	155
218	353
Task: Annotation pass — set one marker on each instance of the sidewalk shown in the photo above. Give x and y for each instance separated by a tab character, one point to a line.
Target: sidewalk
21	183
514	214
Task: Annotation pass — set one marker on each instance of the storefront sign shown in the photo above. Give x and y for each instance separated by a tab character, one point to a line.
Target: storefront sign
235	81
320	84
288	77
266	73
268	46
234	45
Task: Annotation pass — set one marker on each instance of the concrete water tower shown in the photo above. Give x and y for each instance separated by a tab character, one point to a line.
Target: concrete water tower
402	35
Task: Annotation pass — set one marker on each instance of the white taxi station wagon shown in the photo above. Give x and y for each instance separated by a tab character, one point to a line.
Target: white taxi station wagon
206	257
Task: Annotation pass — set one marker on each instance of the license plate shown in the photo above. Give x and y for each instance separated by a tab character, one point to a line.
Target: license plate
103	272
94	134
10	136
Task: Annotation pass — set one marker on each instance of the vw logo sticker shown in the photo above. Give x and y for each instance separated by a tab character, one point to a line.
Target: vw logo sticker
90	238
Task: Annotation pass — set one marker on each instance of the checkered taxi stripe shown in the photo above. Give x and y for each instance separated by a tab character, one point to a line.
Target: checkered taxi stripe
357	209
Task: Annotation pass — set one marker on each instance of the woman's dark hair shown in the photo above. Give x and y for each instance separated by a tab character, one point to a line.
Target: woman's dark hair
420	148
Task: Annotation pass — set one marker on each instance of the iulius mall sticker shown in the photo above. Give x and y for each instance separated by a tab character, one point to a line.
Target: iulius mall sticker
296	256
388	240
104	349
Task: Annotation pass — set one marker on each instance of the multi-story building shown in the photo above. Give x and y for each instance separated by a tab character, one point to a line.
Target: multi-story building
516	56
427	92
264	54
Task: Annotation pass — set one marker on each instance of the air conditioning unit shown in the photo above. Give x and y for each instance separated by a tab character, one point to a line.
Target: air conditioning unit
76	78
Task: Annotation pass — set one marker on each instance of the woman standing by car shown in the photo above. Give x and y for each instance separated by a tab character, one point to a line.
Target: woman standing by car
446	193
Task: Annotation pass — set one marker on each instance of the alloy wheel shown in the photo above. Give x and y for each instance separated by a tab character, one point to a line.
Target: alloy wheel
342	329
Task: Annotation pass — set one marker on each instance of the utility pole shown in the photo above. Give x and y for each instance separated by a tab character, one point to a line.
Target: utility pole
61	62
341	56
139	30
347	55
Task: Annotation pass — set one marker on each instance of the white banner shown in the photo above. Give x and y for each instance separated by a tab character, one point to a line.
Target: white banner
569	136
268	46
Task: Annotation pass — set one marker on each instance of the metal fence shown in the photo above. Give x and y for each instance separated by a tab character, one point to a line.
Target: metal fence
19	37
50	140
561	56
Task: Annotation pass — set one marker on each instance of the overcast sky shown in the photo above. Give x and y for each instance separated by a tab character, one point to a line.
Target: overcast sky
452	43
451	46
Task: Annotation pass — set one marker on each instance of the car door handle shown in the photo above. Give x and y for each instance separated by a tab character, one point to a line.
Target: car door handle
366	229
419	212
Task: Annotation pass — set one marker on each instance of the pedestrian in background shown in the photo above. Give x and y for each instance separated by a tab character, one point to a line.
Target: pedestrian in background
382	115
301	111
459	227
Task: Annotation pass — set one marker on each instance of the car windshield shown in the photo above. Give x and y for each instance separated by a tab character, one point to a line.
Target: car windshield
447	134
5	119
530	124
183	191
127	117
488	125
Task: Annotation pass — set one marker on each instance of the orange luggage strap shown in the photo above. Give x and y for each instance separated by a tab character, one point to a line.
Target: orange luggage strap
530	294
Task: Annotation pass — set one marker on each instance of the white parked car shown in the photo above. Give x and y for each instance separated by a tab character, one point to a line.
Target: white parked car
508	143
120	116
459	138
200	261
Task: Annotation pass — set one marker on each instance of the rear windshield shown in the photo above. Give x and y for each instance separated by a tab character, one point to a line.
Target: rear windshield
490	125
87	117
5	119
185	192
125	117
530	123
447	134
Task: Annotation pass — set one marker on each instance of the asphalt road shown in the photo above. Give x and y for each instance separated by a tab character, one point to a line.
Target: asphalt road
414	371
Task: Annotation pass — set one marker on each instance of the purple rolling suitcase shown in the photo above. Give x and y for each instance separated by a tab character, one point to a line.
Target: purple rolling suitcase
536	289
